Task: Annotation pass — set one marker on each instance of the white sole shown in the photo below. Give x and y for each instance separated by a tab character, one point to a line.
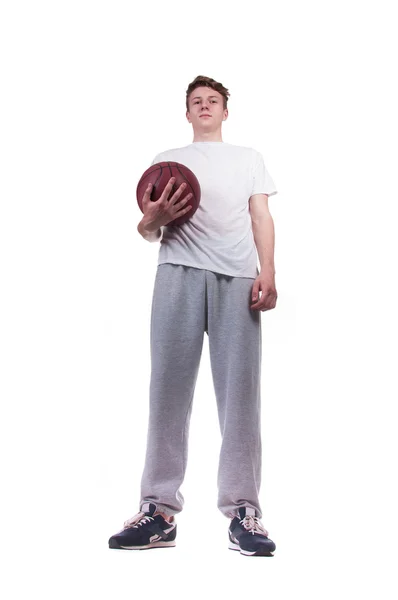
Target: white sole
233	546
154	545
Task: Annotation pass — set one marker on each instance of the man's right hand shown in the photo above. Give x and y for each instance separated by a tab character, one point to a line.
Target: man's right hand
163	211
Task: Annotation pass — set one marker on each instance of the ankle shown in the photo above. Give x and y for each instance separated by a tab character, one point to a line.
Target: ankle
168	518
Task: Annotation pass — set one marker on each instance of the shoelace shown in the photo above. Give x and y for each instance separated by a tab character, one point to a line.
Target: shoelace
253	525
139	519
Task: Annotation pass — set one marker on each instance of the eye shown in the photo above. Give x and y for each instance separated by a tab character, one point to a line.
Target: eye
197	101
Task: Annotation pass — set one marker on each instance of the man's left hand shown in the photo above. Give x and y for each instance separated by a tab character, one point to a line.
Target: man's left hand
264	282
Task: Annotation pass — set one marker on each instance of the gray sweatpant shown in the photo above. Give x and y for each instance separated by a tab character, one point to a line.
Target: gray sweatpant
187	302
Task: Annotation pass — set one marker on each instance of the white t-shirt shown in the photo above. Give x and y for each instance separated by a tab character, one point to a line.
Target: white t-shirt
219	236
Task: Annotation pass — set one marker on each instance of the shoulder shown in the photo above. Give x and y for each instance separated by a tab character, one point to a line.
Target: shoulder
170	154
238	147
248	151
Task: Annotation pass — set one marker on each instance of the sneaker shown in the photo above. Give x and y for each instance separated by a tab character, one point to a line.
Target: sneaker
145	530
247	534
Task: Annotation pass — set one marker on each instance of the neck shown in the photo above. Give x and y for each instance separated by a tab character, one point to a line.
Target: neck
207	141
211	136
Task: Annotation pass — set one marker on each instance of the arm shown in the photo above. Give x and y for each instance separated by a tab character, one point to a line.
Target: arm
263	231
150	236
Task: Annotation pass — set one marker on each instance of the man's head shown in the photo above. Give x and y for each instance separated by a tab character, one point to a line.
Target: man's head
205	96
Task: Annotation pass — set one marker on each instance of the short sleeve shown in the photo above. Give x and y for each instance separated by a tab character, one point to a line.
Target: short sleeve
262	182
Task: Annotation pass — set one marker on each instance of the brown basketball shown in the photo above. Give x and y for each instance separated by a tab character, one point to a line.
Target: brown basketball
159	175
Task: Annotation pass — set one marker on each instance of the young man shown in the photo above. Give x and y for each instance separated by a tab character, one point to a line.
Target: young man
207	280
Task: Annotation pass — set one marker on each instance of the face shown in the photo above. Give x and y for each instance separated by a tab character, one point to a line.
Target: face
206	101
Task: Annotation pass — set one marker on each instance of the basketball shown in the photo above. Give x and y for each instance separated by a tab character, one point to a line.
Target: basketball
159	174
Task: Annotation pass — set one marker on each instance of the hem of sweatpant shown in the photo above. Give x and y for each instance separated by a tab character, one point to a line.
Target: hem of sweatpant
160	508
236	514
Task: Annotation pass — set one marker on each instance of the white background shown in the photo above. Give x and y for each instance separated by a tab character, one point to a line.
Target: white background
91	91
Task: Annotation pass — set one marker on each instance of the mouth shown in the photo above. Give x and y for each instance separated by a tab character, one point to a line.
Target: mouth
204	116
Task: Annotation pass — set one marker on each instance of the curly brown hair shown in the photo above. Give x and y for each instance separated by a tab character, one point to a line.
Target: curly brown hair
202	80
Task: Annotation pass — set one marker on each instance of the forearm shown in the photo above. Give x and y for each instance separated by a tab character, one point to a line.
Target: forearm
264	238
150	236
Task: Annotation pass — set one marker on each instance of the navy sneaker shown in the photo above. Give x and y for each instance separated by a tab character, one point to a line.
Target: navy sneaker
145	530
247	534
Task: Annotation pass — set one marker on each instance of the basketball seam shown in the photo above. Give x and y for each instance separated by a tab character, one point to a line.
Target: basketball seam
169	165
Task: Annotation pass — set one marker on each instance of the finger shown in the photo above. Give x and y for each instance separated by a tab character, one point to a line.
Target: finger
170	184
183	200
255	296
178	192
258	306
254	305
146	198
